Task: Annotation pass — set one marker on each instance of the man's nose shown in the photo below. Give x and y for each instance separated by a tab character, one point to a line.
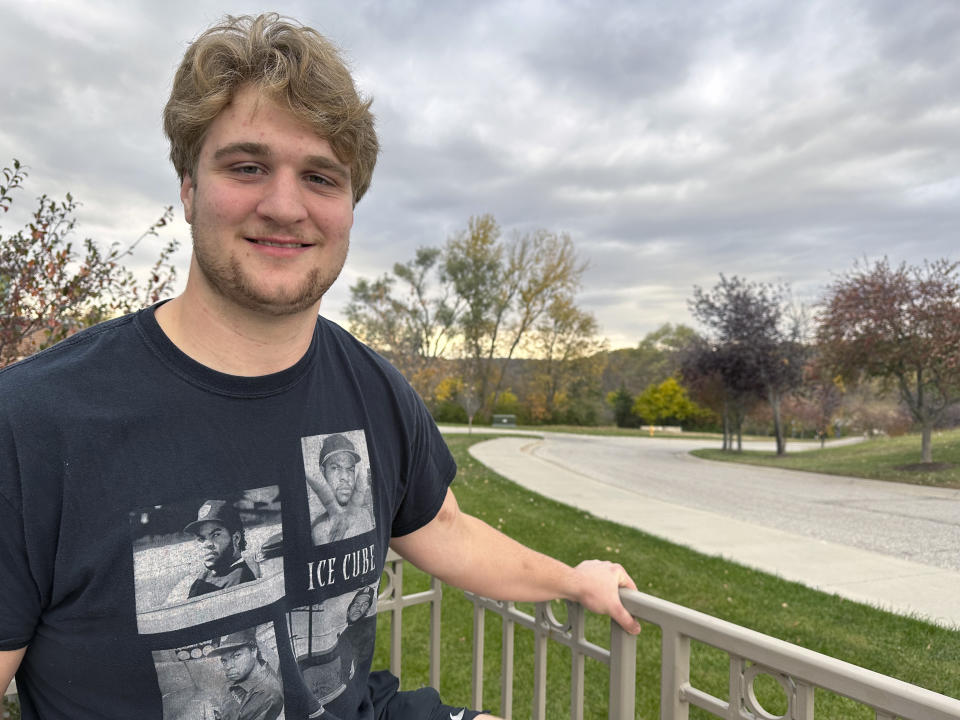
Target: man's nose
283	199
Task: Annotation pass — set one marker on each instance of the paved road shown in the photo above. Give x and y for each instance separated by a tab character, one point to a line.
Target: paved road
911	522
891	545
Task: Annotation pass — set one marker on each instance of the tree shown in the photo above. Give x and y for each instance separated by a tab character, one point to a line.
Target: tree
568	351
656	358
480	298
622	403
822	396
505	287
722	378
901	325
48	289
756	334
666	401
414	327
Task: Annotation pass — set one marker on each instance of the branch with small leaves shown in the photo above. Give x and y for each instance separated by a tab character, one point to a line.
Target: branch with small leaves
49	288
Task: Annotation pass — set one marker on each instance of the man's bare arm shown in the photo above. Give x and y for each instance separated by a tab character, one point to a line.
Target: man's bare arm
9	662
465	552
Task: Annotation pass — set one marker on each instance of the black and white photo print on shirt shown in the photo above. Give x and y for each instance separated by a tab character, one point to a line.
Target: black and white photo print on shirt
206	559
233	676
339	486
333	641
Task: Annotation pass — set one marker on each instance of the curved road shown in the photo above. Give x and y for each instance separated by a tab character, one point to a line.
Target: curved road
912	522
888	544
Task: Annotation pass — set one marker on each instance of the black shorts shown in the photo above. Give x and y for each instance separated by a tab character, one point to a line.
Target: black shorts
423	704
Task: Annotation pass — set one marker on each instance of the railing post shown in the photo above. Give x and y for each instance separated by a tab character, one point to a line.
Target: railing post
506	668
436	614
803	694
674	673
623	673
577	622
476	691
540	637
396	620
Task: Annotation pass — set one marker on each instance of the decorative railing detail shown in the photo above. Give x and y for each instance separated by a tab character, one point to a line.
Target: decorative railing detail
797	670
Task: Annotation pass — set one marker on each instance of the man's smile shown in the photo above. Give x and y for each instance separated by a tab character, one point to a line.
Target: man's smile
285	244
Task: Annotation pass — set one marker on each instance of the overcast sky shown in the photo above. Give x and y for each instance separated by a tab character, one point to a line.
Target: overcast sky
674	141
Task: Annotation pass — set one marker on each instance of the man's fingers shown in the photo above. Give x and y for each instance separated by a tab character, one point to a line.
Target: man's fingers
625	581
626	620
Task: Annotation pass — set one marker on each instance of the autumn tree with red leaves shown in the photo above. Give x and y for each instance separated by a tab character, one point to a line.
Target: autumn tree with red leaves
48	289
901	325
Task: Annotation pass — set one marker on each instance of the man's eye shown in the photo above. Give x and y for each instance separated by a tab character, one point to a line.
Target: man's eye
247	170
319	179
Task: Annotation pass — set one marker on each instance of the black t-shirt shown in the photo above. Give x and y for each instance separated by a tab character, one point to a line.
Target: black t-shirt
113	442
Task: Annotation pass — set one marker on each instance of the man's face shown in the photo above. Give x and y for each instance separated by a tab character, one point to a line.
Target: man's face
218	546
358	608
340	472
271	209
238	663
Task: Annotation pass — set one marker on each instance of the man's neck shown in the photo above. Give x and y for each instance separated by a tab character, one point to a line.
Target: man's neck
234	340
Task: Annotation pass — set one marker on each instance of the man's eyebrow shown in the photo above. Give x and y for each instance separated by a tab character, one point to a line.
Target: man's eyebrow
245	148
324	163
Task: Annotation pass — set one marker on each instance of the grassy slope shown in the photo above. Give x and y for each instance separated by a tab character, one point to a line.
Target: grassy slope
911	650
878	458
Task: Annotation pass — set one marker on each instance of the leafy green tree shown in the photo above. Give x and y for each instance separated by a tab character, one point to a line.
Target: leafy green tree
622	403
657	356
48	289
666	401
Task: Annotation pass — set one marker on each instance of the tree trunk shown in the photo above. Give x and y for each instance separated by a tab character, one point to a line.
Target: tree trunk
926	451
727	443
774	398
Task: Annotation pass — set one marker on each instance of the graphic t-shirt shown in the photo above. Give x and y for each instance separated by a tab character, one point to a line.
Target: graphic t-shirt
131	475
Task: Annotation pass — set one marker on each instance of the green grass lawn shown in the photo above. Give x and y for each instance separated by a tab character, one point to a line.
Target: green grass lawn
884	458
909	649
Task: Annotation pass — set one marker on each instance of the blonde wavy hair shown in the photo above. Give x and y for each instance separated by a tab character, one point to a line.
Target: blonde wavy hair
292	64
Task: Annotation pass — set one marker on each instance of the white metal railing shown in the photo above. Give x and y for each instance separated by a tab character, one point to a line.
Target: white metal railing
798	671
392	601
752	655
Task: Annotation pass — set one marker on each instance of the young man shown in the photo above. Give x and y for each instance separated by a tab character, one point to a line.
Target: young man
345	510
220	542
252	690
226	388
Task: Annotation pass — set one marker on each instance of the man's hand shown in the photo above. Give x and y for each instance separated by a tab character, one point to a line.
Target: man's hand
600	582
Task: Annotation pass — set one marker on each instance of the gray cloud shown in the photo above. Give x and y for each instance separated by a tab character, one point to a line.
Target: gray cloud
673	141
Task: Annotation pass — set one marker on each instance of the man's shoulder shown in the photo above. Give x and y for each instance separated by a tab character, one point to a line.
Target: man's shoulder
361	356
79	352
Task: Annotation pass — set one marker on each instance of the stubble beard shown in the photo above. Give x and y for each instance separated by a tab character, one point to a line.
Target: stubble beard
228	279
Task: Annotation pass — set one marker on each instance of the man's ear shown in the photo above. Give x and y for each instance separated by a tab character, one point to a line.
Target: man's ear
186	196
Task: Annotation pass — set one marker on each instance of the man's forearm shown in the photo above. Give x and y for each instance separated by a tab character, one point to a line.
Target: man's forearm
9	662
466	552
483	560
